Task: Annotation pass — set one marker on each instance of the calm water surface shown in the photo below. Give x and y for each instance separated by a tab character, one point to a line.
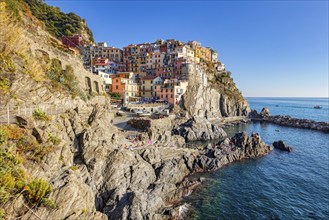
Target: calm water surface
295	107
280	185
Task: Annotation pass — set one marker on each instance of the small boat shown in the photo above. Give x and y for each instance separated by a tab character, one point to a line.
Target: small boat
317	107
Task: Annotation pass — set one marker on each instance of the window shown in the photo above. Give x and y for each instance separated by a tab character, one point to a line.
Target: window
166	96
117	80
161	96
171	96
116	87
151	83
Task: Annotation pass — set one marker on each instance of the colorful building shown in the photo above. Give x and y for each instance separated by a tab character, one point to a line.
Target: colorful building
167	93
147	87
118	86
73	41
172	91
107	81
131	90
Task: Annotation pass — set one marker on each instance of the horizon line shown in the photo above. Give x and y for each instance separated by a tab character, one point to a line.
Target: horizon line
285	97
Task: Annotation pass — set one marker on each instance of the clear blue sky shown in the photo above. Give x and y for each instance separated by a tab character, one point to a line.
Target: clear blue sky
272	48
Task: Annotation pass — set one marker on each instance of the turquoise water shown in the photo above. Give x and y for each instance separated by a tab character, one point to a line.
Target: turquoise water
295	107
280	185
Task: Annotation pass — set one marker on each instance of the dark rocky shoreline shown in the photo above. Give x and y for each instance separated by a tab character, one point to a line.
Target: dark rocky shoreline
285	120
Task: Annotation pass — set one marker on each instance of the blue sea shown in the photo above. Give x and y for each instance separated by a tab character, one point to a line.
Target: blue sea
280	185
295	107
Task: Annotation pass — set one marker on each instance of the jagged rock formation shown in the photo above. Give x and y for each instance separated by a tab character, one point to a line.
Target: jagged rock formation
212	94
91	173
239	147
158	130
282	146
265	112
198	129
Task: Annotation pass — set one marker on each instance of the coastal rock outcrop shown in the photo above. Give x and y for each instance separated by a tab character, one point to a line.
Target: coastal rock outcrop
159	131
285	120
199	129
212	94
240	146
265	112
282	146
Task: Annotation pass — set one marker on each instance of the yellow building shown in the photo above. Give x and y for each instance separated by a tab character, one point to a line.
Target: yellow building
147	89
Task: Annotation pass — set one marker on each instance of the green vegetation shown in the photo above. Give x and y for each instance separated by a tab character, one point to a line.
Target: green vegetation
13	178
53	139
6	64
40	115
64	78
74	168
15	6
222	82
11	173
57	22
7	68
37	190
4	85
33	150
2	214
115	95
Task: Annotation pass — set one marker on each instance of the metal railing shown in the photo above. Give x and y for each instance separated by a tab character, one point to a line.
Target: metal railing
8	113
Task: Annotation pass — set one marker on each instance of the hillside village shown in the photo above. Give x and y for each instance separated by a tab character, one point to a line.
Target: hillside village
146	72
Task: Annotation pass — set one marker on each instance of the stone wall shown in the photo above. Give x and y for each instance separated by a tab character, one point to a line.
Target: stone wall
42	43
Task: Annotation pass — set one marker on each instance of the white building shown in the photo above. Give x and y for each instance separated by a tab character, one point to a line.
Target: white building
185	51
180	89
154	60
107	80
131	89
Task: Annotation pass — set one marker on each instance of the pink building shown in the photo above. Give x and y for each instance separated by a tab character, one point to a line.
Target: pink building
167	92
172	90
164	72
178	64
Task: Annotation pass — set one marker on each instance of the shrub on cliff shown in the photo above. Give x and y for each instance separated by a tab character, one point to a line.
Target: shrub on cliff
37	190
40	115
13	178
14	49
57	22
64	78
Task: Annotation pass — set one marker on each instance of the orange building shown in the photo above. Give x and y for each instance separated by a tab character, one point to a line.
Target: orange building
118	86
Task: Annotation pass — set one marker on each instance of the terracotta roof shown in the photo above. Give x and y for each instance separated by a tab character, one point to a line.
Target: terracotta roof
149	77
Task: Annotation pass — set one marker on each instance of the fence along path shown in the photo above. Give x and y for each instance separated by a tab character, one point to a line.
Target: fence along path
8	113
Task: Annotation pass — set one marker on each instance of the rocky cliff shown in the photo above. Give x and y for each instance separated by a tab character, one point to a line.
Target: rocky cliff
93	176
212	94
35	67
75	165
